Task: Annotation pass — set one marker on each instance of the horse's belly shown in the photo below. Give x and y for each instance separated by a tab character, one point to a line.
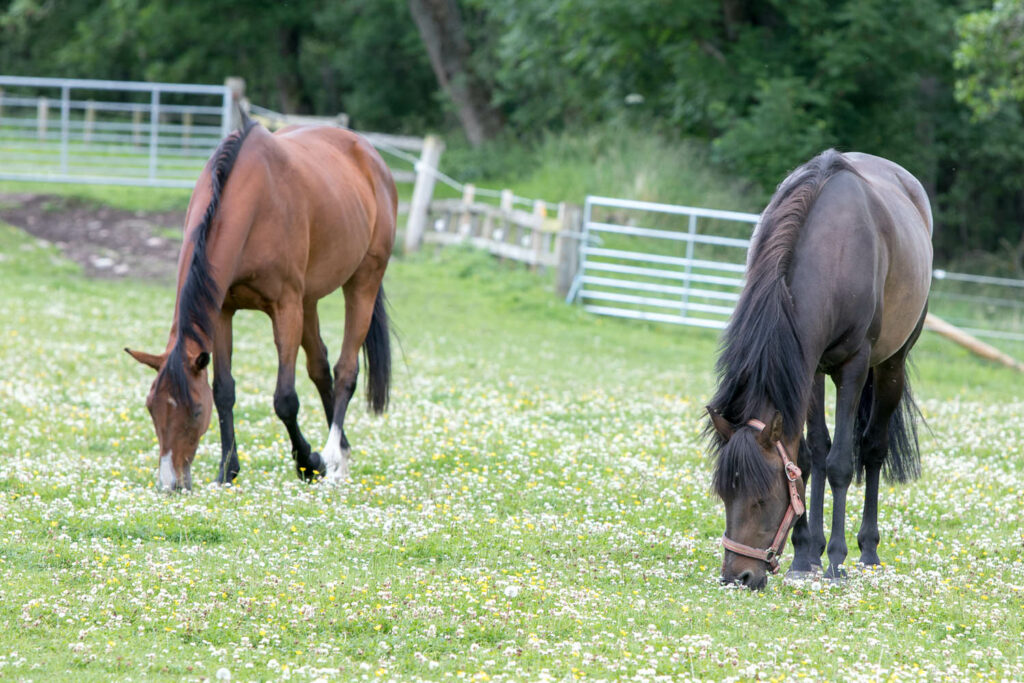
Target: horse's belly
901	310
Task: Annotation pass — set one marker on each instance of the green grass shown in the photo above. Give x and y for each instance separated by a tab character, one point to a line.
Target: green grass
534	505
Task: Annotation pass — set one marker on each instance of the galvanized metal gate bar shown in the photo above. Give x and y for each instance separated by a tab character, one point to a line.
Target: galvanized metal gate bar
634	278
105	140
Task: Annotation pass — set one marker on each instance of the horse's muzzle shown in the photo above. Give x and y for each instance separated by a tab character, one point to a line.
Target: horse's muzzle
168	479
748	579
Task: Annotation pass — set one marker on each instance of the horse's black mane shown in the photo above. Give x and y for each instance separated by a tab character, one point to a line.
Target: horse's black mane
762	362
199	293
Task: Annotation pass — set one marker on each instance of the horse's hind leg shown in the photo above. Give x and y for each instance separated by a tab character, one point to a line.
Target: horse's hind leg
360	295
888	385
317	365
849	380
874	445
224	397
287	321
809	531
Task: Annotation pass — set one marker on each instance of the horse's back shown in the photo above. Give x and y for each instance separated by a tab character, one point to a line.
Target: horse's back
901	213
327	204
894	183
343	165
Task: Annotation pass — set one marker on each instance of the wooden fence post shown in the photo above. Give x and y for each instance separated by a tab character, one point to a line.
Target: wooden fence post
466	221
237	87
567	251
506	204
42	113
422	192
540	212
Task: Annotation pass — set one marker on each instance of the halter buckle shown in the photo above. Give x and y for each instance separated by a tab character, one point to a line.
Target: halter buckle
792	471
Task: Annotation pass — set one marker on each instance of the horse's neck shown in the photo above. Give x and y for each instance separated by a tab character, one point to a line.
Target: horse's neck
223	250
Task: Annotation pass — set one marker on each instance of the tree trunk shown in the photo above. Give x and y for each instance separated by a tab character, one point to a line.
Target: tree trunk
440	27
734	13
289	90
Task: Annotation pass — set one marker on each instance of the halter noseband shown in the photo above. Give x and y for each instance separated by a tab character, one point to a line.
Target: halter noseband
771	554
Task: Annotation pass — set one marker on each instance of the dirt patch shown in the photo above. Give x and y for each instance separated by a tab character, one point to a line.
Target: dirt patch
107	242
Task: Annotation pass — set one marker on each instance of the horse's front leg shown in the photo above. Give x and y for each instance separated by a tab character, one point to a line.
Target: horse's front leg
224	397
839	465
819	443
809	531
317	366
360	295
286	318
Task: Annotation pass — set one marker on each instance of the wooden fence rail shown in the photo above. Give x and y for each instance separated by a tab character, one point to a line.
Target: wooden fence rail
530	237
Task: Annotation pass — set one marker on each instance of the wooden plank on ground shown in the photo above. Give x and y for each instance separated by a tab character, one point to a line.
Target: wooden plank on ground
970	342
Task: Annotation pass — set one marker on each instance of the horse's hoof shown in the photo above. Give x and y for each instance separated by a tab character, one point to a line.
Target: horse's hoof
835	573
227	476
314	469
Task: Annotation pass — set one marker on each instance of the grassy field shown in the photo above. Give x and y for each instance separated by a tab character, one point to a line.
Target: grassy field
535	506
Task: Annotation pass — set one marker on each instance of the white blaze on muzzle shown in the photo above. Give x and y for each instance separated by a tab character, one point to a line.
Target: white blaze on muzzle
166	477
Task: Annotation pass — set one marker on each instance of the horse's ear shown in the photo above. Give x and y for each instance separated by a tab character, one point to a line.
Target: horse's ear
155	362
201	361
772	432
722	426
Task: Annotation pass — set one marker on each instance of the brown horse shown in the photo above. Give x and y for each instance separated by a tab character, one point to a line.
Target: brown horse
837	284
276	223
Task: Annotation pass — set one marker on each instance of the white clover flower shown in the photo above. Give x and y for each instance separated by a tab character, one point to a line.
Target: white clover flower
223	674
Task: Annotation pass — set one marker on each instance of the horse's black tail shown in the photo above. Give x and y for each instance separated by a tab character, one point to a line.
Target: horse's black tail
903	461
377	350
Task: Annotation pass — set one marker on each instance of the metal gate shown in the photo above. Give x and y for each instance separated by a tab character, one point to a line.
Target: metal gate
685	265
112	132
661	262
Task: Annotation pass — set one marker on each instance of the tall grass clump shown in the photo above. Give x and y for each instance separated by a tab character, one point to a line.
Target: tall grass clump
612	160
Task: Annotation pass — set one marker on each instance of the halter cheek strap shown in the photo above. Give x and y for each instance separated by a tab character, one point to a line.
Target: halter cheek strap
771	554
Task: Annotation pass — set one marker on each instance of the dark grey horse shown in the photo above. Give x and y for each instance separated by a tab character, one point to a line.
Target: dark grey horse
837	284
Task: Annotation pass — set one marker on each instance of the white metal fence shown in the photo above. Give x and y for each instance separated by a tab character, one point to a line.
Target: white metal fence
989	307
661	262
115	132
685	265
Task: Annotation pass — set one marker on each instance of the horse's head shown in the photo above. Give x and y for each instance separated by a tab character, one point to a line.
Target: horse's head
180	403
763	494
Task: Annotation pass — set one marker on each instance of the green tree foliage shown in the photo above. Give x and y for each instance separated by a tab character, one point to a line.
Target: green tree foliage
772	82
990	58
933	84
371	65
361	57
987	199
